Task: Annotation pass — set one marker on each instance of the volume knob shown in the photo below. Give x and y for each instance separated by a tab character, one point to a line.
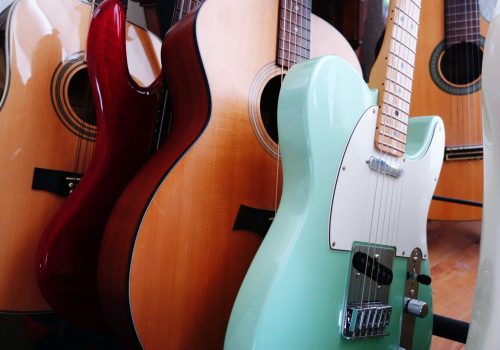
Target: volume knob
416	307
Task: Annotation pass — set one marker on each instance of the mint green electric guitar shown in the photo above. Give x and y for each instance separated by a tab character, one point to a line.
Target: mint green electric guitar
345	262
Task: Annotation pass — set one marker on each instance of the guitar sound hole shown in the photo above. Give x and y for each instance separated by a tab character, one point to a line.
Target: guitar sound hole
269	106
461	63
80	97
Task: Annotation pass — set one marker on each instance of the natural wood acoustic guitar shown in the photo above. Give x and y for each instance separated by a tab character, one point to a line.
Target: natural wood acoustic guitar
47	127
183	233
448	84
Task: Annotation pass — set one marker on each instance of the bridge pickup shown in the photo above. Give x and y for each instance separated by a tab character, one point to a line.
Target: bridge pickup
58	182
372	268
463	153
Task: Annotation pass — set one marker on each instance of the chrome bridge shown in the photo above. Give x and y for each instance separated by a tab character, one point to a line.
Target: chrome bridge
367	312
365	320
463	153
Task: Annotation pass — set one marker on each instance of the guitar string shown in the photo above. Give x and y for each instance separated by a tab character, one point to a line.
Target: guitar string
176	16
399	197
375	194
476	73
179	16
383	156
83	141
453	108
282	66
469	113
82	128
400	65
417	5
393	185
405	23
470	97
478	65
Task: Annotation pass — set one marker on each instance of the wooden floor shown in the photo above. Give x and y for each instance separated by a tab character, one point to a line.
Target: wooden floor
453	253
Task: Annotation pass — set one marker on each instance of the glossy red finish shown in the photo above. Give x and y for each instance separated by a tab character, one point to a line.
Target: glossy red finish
66	263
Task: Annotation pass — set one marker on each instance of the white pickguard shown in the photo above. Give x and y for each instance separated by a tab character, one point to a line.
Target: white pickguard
371	207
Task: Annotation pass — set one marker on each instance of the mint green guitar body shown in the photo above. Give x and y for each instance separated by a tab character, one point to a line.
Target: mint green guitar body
294	292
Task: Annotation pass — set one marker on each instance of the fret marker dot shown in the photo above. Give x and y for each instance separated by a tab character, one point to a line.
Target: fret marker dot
296	8
296	29
396	113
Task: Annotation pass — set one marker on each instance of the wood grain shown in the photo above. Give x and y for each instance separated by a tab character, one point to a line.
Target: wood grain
186	262
454	256
461	115
31	134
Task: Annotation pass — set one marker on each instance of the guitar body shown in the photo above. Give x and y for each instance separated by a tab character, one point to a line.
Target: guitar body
68	251
483	331
171	263
293	294
461	113
40	129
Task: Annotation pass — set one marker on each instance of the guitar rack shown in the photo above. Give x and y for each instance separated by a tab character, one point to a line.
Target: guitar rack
457	201
450	328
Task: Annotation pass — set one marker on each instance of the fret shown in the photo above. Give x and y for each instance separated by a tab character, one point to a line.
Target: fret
462	21
183	7
297	41
294	32
392	134
294	55
392	146
464	34
452	21
296	51
392	123
466	12
286	26
294	44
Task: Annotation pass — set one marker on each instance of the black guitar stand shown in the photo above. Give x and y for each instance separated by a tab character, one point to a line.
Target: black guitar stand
457	201
450	328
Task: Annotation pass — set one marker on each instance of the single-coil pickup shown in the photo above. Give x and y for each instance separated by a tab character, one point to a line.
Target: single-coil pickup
372	268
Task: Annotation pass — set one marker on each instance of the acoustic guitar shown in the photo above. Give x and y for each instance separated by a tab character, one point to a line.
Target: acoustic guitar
483	331
183	233
448	84
345	263
47	127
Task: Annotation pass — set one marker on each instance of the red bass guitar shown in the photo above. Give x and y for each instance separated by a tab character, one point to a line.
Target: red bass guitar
66	262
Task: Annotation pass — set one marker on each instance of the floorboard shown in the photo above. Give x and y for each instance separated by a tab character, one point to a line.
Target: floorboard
453	253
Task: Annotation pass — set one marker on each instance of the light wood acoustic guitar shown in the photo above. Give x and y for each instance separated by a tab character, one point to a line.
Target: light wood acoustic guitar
185	230
47	127
448	84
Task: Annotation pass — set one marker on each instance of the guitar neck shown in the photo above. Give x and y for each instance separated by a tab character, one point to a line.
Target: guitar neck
294	43
183	7
461	22
393	76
